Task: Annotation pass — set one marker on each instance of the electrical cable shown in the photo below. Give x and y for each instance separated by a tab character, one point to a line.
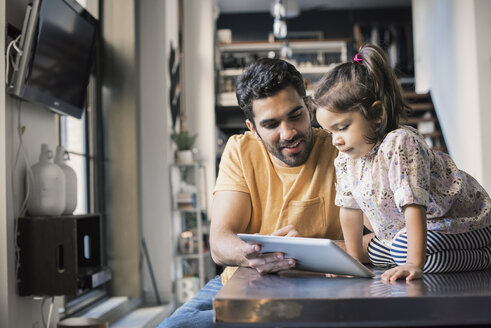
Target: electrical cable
29	181
30	176
8	58
50	310
14	197
46	323
42	311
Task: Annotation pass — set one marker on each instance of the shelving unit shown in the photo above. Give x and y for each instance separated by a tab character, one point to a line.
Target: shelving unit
193	266
313	58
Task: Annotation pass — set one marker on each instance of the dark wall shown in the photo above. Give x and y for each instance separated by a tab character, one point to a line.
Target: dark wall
333	23
394	25
15	11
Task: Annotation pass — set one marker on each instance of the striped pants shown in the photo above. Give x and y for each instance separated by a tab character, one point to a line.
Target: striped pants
444	252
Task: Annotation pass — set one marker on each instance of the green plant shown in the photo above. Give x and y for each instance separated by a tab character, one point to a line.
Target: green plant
183	140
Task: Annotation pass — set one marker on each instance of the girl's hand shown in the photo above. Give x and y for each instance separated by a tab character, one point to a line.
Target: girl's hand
408	271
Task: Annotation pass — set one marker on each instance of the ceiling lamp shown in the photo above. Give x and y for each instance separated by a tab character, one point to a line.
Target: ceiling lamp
286	8
279	28
281	10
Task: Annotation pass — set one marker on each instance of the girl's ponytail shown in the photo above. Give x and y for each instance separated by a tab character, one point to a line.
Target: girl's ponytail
385	86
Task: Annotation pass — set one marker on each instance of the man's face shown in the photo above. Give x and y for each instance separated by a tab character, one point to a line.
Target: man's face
348	131
283	124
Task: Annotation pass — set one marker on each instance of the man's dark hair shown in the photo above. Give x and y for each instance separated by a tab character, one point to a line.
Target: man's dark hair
264	78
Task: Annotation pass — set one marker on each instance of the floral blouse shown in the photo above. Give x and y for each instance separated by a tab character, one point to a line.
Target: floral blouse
402	170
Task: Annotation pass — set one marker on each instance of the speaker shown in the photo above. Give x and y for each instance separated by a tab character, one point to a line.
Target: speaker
60	255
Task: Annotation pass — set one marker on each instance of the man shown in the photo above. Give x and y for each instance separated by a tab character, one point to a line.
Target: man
278	178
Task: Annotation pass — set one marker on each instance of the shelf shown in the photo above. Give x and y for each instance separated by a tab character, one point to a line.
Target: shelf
189	227
194	256
424	107
187	164
315	69
189	210
303	69
328	46
233	126
229	99
416	120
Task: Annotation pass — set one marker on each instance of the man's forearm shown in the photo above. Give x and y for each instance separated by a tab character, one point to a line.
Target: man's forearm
226	250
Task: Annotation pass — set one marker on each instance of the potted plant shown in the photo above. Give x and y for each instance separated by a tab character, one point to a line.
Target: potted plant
184	142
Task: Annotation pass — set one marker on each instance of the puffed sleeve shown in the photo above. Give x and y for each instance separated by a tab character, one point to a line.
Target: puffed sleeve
344	185
408	161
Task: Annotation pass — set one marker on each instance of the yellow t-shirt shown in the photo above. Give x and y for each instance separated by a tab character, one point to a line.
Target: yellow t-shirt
302	196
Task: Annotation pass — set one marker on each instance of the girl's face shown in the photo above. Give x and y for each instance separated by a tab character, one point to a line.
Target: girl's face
348	131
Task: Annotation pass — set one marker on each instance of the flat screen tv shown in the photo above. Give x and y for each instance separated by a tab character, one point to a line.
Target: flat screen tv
57	43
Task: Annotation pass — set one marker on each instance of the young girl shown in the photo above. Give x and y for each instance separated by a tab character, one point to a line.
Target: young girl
427	215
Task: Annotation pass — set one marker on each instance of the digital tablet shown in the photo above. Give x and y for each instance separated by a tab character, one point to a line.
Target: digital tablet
311	254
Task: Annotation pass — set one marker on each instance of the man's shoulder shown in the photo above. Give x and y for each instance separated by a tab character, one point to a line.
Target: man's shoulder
242	138
243	147
243	142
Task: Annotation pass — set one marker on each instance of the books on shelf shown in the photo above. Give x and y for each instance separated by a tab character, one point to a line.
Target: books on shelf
186	200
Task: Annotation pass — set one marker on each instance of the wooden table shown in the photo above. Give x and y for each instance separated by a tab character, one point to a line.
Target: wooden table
292	300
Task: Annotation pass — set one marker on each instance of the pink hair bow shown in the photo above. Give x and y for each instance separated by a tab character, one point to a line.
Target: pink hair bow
357	59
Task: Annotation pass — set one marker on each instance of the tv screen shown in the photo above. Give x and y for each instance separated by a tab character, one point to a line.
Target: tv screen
58	44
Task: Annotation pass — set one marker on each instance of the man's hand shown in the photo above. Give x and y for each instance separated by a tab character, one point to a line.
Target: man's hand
267	262
270	262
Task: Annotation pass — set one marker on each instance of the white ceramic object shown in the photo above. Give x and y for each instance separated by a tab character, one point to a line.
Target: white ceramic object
47	193
184	156
70	181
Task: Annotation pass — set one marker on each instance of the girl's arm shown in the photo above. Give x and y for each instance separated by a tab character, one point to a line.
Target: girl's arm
415	216
352	225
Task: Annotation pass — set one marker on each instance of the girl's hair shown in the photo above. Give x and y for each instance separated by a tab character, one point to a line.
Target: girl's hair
368	85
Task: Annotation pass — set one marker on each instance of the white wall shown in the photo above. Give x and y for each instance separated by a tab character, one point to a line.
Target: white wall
452	61
199	93
40	128
158	26
4	269
482	11
17	311
158	22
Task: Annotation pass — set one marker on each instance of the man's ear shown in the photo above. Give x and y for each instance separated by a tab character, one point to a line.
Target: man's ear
251	127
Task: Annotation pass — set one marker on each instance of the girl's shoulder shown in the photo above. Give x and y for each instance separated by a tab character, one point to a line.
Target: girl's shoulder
402	140
403	135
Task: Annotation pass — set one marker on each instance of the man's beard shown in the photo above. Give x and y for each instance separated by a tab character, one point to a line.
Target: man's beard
294	159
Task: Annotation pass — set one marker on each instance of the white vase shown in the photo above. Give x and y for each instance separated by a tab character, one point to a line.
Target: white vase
70	181
47	192
184	156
